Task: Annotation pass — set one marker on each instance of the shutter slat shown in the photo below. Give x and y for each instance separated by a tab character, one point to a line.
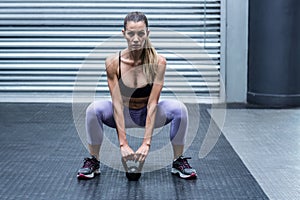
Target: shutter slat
44	45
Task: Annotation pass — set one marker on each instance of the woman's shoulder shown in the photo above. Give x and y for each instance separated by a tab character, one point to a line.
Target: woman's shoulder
162	64
112	62
112	59
162	60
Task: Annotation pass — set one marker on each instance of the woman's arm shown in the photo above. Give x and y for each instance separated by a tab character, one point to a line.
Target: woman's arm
142	152
111	64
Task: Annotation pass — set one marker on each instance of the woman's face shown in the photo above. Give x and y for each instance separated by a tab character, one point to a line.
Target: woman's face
136	34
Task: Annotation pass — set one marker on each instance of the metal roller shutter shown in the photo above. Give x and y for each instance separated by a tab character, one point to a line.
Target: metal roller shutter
44	45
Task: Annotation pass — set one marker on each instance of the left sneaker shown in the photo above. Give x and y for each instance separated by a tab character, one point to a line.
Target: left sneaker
182	168
90	168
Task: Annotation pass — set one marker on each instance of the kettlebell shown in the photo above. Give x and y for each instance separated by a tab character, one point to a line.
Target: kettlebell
133	172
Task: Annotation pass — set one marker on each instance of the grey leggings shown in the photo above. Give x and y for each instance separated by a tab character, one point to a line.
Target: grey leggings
101	112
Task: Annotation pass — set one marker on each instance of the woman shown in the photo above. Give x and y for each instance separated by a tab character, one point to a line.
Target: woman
135	78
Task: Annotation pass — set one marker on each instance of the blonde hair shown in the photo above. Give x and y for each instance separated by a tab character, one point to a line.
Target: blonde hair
150	61
149	54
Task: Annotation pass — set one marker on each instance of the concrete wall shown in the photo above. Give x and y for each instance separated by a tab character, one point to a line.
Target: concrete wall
236	50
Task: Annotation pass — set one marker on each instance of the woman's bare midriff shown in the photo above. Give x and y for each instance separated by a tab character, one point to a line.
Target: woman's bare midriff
135	103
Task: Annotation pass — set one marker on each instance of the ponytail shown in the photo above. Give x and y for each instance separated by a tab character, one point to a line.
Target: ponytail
150	61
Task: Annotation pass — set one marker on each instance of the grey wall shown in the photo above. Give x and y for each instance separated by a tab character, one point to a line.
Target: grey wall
236	50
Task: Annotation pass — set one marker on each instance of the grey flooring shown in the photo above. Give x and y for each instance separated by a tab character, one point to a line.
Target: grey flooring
40	153
268	143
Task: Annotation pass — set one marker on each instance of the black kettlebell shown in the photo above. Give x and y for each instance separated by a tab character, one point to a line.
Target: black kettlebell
132	174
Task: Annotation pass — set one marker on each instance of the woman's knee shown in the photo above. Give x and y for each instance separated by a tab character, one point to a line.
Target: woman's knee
179	109
90	111
183	110
96	109
179	123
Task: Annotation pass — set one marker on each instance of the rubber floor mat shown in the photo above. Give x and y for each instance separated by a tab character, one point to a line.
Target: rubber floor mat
40	153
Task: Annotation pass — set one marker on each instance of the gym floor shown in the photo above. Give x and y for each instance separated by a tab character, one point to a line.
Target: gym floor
256	157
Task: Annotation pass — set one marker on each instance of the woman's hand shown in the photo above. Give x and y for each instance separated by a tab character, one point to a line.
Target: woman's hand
127	153
142	152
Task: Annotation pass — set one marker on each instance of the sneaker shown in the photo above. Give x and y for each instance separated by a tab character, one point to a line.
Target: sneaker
89	169
182	168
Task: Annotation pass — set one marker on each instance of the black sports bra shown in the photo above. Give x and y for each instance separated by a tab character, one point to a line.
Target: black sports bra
133	92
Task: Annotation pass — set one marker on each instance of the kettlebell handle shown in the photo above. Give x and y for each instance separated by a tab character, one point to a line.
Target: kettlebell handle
139	168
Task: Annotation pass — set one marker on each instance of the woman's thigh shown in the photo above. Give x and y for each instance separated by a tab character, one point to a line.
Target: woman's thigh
166	111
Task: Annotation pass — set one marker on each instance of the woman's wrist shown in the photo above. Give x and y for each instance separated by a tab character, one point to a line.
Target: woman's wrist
148	143
122	138
123	143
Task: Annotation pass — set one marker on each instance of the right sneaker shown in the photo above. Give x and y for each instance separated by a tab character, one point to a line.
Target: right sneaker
182	168
90	168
